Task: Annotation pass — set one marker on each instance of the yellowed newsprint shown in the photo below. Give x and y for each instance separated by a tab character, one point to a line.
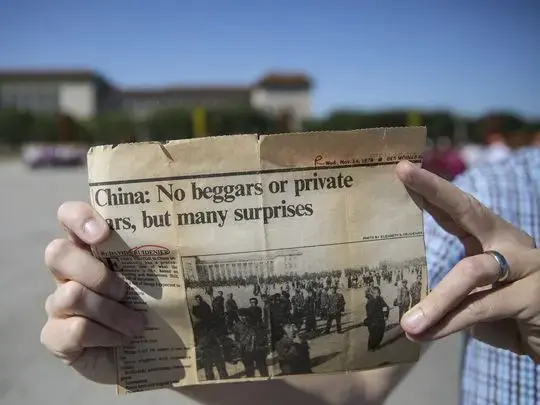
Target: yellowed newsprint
255	257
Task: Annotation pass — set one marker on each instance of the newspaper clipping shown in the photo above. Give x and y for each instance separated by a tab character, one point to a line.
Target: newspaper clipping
256	257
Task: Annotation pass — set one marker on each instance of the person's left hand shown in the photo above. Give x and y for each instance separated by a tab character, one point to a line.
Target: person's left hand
502	314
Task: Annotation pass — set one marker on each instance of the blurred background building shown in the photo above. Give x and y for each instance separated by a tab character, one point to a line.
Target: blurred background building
83	106
78	93
83	94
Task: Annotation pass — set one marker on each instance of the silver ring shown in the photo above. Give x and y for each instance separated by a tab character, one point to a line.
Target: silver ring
504	268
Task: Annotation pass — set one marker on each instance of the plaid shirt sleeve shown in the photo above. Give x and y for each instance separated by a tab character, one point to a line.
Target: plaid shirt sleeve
443	250
511	189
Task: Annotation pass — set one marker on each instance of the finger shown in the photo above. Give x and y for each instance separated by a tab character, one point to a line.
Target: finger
484	306
468	274
67	338
461	207
74	299
68	262
82	222
471	244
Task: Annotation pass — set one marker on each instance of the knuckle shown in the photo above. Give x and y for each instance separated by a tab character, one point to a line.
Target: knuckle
477	271
530	297
55	251
48	337
407	173
479	310
470	270
77	329
532	241
49	304
464	209
525	239
69	296
43	336
101	276
470	210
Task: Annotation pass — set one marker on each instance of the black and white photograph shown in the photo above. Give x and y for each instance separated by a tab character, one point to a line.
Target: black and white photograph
300	311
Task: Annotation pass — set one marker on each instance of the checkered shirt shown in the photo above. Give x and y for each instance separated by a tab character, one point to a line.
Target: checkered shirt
511	188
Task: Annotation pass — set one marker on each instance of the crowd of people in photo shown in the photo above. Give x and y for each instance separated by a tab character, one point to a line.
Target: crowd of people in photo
284	314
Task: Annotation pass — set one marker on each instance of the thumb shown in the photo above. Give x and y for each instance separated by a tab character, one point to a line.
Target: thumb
83	224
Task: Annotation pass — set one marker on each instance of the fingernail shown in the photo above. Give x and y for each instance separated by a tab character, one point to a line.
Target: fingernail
93	229
414	321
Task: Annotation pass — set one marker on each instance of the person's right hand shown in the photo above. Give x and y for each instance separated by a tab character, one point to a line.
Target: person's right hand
85	319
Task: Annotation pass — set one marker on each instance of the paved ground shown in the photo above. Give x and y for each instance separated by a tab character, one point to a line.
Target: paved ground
29	375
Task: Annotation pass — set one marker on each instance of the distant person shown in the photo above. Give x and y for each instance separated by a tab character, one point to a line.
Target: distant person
497	149
536	140
298	303
416	290
231	309
368	294
278	318
443	159
218	304
254	313
207	342
324	303
403	301
253	341
285	306
377	311
369	287
211	354
472	154
218	308
293	352
310	310
202	312
256	289
336	306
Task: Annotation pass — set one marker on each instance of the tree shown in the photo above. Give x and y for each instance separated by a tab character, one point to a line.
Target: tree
438	124
15	126
111	128
228	121
313	125
174	123
46	128
348	120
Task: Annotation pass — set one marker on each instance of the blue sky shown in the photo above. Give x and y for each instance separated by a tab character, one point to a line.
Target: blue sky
468	56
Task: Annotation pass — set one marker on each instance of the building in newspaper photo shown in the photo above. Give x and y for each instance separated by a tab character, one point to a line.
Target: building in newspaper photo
292	312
